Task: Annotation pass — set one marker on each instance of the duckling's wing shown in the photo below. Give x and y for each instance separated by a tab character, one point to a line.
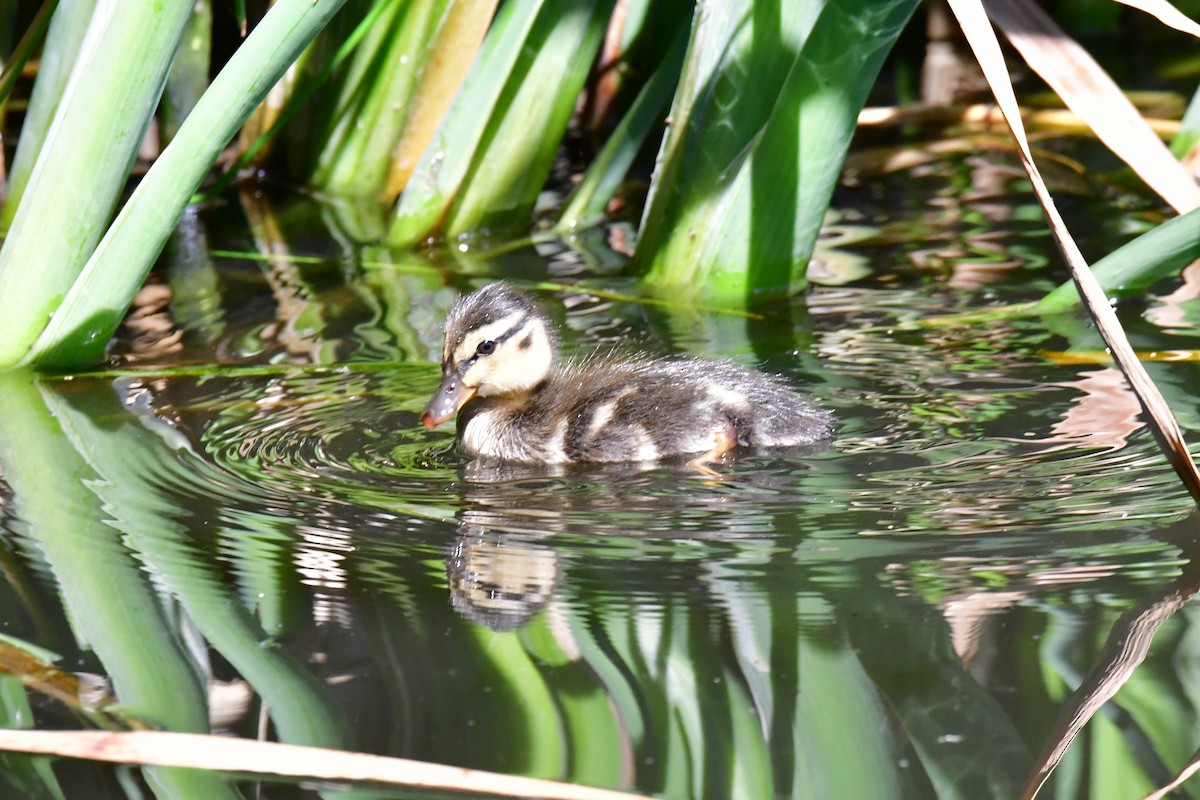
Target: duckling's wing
778	416
642	409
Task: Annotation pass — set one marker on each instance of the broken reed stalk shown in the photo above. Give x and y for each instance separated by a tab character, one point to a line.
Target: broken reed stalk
978	30
203	751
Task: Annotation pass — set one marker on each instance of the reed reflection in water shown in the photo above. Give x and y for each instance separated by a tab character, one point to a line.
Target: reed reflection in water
759	634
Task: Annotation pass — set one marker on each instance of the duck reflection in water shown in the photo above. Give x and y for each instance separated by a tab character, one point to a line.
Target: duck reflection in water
524	526
500	580
503	569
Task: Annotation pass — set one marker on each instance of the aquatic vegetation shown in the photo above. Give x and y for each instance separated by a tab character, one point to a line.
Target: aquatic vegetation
366	115
442	127
240	528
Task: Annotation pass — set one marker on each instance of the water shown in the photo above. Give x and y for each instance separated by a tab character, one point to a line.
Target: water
277	548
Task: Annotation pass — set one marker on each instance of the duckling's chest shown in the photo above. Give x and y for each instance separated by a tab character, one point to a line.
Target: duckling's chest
480	434
506	434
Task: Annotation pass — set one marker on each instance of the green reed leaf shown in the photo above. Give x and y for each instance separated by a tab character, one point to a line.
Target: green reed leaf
528	690
112	605
105	107
64	42
452	50
134	456
1189	128
509	170
761	122
587	719
587	203
30	40
441	171
97	301
188	77
1156	254
489	159
373	97
31	776
299	95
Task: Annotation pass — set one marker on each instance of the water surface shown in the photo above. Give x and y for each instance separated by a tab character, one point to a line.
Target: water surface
276	548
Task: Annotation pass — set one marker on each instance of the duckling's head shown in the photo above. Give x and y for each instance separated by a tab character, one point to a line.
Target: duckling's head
497	343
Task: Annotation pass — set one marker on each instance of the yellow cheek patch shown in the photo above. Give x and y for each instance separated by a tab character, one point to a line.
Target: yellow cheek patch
515	368
499	373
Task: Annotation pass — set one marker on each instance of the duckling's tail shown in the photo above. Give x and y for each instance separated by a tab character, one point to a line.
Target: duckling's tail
794	422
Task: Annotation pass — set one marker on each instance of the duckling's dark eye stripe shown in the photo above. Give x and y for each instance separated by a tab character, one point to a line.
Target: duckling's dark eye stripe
512	331
517	327
505	336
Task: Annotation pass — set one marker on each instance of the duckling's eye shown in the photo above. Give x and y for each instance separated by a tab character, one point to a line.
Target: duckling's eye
485	348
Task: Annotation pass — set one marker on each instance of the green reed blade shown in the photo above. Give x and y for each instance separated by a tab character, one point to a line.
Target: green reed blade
990	758
84	163
1155	703
135	457
188	77
764	114
586	713
32	776
452	51
510	166
839	711
1189	128
30	40
374	98
64	41
1159	253
1116	768
297	102
113	608
97	301
442	169
528	690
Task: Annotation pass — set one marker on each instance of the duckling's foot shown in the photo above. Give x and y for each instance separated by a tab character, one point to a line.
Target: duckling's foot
724	440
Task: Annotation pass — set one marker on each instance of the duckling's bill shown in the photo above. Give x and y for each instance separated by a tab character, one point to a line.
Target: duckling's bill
452	395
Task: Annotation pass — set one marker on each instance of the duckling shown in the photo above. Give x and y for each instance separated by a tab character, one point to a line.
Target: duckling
520	403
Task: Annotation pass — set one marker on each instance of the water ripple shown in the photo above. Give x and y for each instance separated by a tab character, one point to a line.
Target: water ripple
355	438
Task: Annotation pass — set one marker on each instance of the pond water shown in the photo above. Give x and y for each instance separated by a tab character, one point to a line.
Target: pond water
276	548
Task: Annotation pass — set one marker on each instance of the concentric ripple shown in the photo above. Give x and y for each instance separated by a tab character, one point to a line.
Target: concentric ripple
354	437
338	434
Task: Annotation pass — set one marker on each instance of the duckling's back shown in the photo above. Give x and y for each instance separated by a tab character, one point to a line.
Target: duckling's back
644	409
764	409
